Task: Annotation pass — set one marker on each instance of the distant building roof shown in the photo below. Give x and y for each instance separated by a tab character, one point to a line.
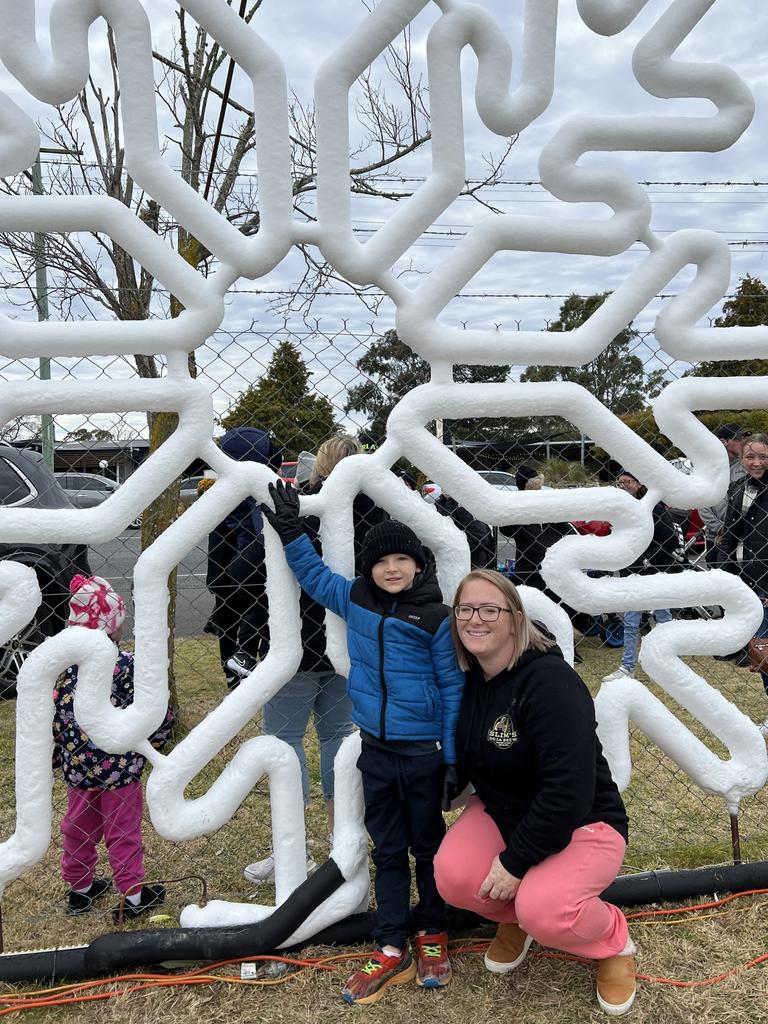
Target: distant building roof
87	446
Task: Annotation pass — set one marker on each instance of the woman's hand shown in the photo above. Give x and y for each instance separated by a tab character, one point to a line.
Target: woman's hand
498	883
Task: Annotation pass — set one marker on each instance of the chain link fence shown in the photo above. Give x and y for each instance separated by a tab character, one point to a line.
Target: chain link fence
307	381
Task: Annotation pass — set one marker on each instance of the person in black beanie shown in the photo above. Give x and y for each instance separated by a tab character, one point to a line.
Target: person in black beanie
405	687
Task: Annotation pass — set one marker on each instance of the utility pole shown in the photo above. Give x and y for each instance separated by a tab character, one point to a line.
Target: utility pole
47	433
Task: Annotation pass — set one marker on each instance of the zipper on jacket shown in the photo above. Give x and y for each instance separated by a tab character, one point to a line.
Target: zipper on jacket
382	680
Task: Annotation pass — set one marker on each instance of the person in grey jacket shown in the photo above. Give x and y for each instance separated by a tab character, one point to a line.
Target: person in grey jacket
731	435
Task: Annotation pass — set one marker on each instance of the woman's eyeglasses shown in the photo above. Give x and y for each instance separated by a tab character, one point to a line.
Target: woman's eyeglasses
486	612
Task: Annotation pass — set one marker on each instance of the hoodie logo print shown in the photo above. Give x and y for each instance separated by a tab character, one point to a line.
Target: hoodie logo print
502	734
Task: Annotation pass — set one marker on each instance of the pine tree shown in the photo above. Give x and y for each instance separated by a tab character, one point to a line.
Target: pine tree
616	376
748	308
283	402
392	370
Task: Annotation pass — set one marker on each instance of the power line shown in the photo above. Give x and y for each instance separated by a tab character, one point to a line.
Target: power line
524	182
157	290
535	182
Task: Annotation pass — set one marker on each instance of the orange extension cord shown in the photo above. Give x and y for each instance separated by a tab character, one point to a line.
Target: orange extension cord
125	984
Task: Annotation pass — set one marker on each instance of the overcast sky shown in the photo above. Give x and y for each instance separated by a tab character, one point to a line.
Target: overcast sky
593	76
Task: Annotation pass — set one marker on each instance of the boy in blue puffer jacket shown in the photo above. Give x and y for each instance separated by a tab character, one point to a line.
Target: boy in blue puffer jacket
405	687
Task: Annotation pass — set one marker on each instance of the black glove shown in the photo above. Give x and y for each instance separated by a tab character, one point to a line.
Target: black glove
285	518
453	786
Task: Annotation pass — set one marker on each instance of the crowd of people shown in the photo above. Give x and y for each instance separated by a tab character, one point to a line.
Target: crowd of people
445	696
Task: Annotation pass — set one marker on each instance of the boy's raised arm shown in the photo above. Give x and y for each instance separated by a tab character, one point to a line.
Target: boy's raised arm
328	588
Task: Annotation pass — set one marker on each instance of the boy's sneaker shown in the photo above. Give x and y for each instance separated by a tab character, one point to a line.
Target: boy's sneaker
82	902
433	968
376	975
151	896
242	664
264	870
620	673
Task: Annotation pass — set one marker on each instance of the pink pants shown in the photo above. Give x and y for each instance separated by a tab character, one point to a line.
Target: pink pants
557	902
113	815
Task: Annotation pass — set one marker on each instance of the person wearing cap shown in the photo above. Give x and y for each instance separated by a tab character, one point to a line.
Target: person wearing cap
731	435
659	556
405	687
104	798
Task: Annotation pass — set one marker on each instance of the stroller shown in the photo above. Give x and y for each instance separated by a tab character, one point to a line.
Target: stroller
690	554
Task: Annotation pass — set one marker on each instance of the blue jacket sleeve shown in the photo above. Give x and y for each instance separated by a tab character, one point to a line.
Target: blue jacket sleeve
323	585
450	681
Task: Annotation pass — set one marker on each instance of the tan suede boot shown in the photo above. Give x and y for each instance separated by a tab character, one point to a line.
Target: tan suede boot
616	985
508	949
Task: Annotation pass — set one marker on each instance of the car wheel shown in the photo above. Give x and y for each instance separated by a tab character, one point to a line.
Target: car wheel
136	524
14	653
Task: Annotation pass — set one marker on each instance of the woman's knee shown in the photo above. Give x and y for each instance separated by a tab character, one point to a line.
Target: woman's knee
539	913
453	877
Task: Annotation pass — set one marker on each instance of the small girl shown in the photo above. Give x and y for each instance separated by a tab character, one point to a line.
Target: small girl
104	797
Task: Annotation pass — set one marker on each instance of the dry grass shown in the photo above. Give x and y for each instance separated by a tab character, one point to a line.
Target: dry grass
672	822
542	991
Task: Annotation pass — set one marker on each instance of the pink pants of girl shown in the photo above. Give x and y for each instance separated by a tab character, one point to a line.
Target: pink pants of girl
558	900
113	815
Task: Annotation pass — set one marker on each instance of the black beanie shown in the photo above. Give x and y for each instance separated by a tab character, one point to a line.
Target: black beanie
389	538
523	475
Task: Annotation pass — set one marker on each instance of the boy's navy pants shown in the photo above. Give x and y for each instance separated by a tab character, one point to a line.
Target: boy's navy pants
402	809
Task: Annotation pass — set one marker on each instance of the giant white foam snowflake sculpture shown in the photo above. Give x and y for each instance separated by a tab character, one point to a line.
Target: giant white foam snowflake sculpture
55	76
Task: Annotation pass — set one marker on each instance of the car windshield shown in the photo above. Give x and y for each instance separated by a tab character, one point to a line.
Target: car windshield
498	477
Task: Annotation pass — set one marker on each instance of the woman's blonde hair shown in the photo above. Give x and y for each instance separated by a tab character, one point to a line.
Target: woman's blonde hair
526	633
330	453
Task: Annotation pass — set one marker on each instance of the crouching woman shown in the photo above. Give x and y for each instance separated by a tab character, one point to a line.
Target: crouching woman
546	830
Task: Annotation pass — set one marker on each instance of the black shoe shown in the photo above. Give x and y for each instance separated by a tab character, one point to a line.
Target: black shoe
740	658
151	896
242	664
82	902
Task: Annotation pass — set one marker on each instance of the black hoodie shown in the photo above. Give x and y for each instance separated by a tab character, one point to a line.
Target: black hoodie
527	741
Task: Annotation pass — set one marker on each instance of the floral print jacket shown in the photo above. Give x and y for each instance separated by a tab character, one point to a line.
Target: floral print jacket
83	765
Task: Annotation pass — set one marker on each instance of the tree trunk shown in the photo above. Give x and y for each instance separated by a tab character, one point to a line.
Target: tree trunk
157	517
165	508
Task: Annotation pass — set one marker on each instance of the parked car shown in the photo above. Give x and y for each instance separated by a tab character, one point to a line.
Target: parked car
26	481
188	490
86	490
499	478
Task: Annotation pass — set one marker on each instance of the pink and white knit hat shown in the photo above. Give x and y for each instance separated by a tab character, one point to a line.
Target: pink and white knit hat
95	605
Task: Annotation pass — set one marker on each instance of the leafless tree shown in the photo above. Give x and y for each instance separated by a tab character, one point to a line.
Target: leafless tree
211	133
21	428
